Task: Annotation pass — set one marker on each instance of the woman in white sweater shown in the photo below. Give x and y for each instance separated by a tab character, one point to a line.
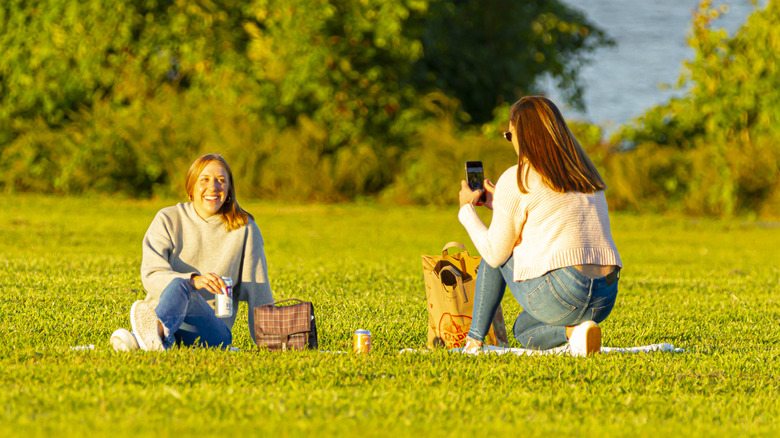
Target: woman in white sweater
187	250
549	239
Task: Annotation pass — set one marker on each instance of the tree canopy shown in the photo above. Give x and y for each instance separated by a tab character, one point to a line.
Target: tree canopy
310	99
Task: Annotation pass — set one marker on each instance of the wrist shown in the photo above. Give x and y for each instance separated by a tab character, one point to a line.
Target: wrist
465	209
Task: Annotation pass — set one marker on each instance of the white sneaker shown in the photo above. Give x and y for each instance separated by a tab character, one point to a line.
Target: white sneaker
585	339
145	326
123	340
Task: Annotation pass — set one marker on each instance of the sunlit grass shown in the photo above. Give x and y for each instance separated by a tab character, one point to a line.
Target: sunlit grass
69	271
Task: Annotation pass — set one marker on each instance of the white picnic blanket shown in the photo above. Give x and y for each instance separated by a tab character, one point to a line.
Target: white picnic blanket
564	349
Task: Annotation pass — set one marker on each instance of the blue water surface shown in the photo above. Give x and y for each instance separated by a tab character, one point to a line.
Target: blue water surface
624	81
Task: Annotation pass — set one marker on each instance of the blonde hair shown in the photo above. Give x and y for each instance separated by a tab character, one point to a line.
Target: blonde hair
547	145
234	216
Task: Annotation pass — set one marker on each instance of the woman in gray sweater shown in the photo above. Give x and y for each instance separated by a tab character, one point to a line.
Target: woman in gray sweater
187	250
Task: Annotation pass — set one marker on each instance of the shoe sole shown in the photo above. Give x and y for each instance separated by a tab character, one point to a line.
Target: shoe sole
592	340
144	322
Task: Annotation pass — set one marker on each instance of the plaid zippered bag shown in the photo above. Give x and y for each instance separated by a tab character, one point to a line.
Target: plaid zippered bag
286	327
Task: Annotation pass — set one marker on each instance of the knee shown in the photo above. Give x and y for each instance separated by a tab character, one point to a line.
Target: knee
228	340
518	333
222	340
178	286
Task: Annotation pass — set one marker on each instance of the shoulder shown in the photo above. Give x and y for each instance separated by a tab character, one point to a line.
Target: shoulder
251	225
174	215
508	179
166	216
507	196
254	238
537	184
173	218
249	229
174	211
252	228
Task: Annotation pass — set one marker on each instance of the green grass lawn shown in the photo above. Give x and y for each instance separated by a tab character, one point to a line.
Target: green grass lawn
69	271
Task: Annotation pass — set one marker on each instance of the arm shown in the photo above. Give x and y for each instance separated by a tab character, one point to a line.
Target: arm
495	244
254	286
156	270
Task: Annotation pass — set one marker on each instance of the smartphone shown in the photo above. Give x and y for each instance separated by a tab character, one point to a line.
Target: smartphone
475	176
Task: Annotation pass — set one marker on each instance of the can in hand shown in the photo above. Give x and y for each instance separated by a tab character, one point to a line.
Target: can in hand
361	342
223	303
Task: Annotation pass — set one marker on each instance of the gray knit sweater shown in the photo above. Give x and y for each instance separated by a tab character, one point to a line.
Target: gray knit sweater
180	243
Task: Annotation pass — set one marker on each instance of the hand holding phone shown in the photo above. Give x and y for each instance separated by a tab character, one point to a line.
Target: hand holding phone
475	177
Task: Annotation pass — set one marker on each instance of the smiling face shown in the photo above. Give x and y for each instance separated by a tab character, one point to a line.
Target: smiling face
210	189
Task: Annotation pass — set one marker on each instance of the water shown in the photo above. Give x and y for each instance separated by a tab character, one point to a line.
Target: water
624	81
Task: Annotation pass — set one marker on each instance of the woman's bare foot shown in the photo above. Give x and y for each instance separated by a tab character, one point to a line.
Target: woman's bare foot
472	346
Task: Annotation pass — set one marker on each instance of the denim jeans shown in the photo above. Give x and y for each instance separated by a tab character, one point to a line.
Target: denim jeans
559	298
179	303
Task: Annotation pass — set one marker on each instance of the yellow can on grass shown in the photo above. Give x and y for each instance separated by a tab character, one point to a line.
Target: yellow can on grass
361	342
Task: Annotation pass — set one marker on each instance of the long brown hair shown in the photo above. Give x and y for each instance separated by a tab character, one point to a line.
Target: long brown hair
234	216
547	145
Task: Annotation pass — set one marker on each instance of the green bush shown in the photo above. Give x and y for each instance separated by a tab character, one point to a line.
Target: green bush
432	170
715	151
308	100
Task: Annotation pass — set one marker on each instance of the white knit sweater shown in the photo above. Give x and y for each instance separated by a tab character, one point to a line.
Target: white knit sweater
544	229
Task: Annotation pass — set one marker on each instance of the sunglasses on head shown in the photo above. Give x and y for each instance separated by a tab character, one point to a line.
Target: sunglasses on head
508	135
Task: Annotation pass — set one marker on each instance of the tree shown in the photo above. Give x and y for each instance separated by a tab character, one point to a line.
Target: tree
485	53
311	99
715	150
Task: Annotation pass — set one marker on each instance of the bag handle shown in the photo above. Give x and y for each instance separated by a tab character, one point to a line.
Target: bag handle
456	245
458	280
453	244
284	301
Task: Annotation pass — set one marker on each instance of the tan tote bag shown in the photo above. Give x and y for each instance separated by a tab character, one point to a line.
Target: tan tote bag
449	287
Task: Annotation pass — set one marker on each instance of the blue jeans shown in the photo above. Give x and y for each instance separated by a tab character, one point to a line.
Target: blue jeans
179	303
559	298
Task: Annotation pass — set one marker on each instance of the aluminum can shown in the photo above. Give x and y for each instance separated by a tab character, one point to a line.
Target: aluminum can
223	302
361	342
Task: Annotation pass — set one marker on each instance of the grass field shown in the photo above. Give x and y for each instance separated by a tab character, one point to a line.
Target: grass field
69	271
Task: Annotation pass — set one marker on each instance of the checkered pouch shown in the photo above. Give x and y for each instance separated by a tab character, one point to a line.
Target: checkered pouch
286	327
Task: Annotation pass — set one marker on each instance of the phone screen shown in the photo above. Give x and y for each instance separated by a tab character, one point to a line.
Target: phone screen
475	176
